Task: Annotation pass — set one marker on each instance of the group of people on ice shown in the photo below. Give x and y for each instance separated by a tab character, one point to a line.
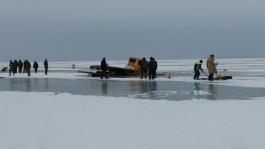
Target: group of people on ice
149	67
211	66
17	66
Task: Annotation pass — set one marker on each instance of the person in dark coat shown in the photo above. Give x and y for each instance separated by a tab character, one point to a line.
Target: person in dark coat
46	66
15	65
27	66
11	68
144	68
155	66
24	69
197	68
152	68
35	66
104	68
20	66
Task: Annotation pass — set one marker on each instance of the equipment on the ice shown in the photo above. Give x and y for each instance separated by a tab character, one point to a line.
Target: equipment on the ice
4	69
219	77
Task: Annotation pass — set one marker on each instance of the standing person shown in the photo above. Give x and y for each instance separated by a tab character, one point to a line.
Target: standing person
155	67
24	69
15	65
211	67
20	66
27	67
104	68
197	68
46	66
144	68
11	68
35	66
152	68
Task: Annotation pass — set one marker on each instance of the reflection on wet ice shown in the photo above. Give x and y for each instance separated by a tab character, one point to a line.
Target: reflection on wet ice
142	89
104	88
198	93
212	90
201	93
46	84
28	84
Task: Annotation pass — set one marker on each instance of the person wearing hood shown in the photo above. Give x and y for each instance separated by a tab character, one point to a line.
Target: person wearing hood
104	68
27	66
211	66
11	68
35	66
15	65
20	66
152	68
45	63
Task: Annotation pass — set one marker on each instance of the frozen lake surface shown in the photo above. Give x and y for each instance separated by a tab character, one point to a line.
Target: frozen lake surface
140	89
66	109
247	81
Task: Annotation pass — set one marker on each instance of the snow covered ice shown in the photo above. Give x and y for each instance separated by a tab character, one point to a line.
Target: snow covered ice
32	119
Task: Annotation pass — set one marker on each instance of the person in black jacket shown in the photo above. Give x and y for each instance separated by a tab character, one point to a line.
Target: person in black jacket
27	67
20	66
104	68
155	66
35	66
15	65
24	69
152	68
46	66
11	68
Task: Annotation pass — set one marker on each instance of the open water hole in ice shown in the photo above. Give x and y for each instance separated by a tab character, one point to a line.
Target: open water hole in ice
136	89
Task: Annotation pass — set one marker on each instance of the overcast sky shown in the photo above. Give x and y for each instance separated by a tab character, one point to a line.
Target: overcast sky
116	29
